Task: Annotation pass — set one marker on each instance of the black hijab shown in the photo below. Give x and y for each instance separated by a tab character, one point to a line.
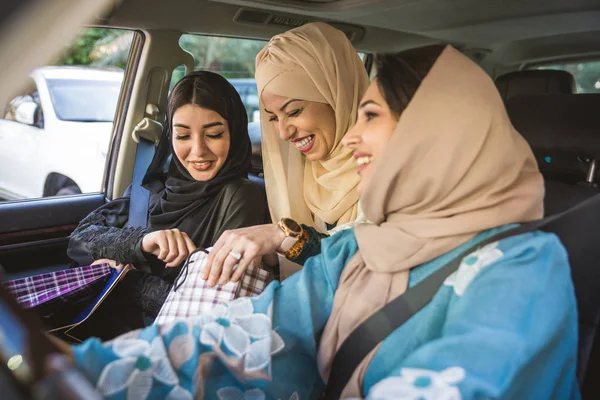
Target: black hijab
177	200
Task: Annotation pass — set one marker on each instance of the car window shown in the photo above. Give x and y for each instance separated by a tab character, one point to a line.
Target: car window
84	100
56	131
234	58
586	73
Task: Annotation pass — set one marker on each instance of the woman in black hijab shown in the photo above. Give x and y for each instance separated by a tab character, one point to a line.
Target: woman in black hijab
198	189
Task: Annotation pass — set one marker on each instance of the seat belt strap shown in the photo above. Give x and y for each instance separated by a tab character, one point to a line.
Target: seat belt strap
140	196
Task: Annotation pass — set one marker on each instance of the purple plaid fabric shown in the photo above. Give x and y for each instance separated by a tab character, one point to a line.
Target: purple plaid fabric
40	289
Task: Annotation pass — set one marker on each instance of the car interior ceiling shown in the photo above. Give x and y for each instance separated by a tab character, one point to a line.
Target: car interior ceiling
510	33
502	36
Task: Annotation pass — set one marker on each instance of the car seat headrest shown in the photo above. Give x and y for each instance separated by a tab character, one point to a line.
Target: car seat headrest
535	82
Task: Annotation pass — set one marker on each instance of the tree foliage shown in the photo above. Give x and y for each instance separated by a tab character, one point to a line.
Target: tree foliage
231	57
93	47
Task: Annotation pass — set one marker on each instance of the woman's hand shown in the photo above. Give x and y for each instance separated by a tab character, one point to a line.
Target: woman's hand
171	246
111	263
250	243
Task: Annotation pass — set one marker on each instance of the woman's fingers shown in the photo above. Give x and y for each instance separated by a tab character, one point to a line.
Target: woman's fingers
212	272
216	249
119	267
245	252
182	251
172	247
191	247
242	266
248	242
111	263
163	246
250	252
228	265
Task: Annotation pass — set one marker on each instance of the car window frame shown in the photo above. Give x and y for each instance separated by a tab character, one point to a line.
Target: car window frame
136	50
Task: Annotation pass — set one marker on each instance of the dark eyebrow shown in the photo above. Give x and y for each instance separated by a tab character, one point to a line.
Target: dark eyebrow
217	123
366	103
287	103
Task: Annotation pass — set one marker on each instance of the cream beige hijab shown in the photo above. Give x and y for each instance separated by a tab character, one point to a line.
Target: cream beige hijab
455	167
314	62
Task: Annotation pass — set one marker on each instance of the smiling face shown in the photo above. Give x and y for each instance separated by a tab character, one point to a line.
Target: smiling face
309	125
201	140
370	135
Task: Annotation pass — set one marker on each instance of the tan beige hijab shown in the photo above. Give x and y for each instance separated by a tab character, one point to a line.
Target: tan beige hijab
455	167
314	62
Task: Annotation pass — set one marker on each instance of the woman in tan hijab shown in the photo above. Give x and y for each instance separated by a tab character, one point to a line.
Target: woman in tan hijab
441	170
310	80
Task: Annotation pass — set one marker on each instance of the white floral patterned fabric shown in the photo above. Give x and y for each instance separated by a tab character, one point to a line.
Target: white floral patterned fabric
235	333
140	364
420	384
471	266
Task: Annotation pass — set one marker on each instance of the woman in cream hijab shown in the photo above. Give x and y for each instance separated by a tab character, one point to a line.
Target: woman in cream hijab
310	80
442	169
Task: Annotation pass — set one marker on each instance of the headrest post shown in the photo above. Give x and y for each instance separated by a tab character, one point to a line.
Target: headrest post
591	172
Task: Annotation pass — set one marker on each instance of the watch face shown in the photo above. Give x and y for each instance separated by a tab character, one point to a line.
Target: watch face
292	225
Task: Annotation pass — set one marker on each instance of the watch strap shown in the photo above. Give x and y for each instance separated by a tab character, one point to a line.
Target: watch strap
287	244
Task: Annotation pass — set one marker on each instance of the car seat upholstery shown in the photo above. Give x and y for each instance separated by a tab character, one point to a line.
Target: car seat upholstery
535	82
557	128
256	175
254	133
575	230
564	133
561	196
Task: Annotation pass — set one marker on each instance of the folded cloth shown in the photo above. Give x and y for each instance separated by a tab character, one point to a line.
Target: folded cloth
191	296
40	289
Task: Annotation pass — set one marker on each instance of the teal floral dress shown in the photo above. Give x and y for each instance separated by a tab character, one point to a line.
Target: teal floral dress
504	325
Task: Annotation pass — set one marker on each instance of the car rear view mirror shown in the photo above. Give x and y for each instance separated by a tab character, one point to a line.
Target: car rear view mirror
26	112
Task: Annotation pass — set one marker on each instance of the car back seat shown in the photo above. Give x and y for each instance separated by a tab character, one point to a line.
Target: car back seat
564	133
576	231
562	171
256	174
535	82
255	139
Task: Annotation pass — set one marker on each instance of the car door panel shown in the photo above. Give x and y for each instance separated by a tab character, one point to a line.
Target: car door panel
34	234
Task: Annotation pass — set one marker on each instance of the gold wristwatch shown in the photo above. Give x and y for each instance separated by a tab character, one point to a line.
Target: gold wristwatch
293	232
